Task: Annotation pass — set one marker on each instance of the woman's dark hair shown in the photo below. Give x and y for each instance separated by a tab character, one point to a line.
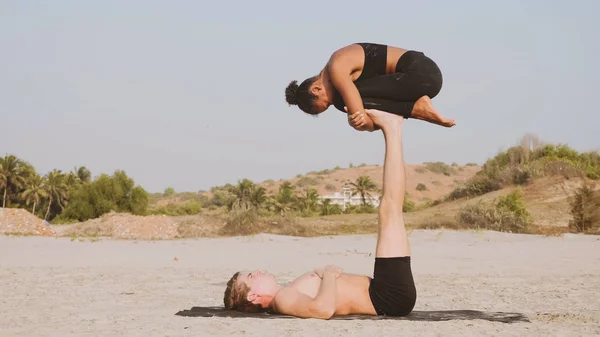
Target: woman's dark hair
301	95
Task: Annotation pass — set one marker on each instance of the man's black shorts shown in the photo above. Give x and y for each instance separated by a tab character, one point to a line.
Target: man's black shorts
392	289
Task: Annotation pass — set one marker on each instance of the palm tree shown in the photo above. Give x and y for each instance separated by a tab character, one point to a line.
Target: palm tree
72	180
258	197
309	200
34	191
363	186
285	198
325	206
243	192
10	175
84	175
286	193
56	188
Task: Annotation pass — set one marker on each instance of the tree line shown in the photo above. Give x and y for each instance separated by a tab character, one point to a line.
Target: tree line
289	198
74	196
68	196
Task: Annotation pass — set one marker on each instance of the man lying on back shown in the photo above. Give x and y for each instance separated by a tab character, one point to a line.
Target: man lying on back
328	291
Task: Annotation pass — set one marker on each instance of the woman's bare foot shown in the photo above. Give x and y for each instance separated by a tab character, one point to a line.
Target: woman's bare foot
424	110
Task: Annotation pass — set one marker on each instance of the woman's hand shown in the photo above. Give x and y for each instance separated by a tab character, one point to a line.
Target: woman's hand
360	121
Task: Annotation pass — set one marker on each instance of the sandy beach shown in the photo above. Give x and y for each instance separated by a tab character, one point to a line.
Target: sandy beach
59	287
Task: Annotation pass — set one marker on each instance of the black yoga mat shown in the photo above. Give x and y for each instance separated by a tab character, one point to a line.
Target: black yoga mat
432	316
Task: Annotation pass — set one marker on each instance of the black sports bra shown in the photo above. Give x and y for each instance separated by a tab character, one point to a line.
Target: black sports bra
375	64
375	60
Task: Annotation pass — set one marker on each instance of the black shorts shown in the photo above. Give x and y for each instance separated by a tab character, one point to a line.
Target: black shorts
392	289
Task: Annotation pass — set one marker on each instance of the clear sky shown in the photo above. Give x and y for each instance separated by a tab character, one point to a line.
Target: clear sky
190	94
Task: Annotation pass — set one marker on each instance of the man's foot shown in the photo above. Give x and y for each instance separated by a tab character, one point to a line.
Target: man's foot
424	110
382	119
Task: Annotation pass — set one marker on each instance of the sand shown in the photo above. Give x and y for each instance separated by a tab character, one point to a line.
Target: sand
58	287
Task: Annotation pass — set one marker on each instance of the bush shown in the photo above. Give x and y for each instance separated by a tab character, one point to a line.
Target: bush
330	209
508	215
520	164
367	209
585	208
408	205
191	207
359	209
242	222
421	187
513	203
473	187
439	167
116	193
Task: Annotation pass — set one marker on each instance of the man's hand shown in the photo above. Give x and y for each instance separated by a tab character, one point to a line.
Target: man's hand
335	270
360	120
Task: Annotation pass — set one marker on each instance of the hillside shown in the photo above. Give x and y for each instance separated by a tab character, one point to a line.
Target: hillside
438	179
547	199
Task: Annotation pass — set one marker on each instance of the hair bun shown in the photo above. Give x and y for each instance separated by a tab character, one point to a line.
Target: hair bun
290	93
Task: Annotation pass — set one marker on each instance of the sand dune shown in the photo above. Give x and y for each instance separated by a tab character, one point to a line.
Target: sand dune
59	287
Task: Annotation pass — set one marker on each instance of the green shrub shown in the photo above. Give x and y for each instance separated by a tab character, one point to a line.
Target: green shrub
520	164
440	167
473	187
509	214
106	193
408	205
369	209
513	203
421	187
191	207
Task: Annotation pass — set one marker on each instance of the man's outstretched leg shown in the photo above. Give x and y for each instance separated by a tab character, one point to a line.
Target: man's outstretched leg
392	240
392	289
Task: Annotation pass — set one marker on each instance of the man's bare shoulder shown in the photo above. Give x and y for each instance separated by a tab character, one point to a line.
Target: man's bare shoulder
285	296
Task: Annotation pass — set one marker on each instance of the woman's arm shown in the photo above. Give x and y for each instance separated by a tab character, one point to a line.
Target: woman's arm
339	68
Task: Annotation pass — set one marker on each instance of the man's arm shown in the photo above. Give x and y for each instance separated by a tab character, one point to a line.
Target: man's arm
289	301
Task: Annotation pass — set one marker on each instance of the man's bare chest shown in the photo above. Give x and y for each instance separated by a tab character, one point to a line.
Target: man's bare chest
307	283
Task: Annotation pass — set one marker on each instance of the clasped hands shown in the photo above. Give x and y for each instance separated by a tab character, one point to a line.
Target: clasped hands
360	120
335	270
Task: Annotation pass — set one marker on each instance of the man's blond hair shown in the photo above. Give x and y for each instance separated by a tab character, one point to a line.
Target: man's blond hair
236	297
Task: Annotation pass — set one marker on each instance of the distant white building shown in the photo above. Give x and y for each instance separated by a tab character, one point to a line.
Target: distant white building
345	198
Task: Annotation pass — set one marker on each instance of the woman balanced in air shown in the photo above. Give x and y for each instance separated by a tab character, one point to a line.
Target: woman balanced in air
372	76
